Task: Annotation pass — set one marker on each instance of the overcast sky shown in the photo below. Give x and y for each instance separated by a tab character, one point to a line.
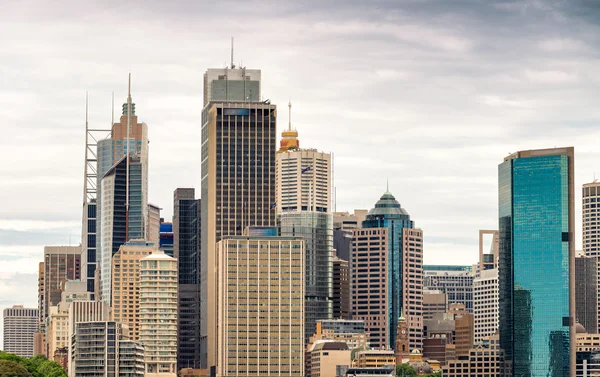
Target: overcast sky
430	94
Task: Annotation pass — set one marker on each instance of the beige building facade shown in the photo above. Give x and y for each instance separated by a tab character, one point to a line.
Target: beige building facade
303	179
326	356
374	358
412	285
260	296
158	313
125	289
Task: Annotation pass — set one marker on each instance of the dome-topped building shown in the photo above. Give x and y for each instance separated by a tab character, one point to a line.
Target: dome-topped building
405	263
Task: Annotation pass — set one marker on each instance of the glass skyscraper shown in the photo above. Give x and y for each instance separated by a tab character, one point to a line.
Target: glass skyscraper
388	213
316	229
536	262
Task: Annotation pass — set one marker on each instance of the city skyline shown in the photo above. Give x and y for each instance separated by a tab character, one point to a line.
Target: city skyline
339	101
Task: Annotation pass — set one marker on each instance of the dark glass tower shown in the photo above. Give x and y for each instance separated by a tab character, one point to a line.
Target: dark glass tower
536	262
186	249
388	213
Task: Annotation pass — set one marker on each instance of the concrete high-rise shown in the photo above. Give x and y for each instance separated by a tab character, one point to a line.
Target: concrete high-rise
125	288
260	307
405	248
83	311
19	326
591	232
153	224
61	263
485	289
586	292
124	214
537	262
238	177
158	314
303	181
186	248
369	283
455	281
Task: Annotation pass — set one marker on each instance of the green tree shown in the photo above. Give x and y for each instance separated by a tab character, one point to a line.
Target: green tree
405	370
9	368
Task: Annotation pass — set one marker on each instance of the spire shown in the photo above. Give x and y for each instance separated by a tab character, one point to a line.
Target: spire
401	318
387	187
290	115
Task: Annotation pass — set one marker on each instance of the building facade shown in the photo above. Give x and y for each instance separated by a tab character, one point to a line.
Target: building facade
158	314
61	263
303	179
388	213
369	283
316	230
486	360
341	289
537	262
485	304
118	224
434	301
100	349
267	338
186	248
125	288
238	188
457	284
591	232
586	292
20	324
326	356
351	332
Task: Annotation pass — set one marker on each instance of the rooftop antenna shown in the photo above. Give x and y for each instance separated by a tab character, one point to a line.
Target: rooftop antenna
127	160
387	187
289	115
232	65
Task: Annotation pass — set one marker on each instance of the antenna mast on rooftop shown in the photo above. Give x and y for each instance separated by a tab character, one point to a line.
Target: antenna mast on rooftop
289	115
232	65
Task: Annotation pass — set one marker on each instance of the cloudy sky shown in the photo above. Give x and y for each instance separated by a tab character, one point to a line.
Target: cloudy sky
428	94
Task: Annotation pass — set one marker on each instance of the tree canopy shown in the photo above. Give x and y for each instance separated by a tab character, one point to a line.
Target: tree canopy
37	366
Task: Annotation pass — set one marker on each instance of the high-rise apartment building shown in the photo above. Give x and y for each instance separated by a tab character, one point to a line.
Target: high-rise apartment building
260	307
405	264
158	314
591	232
83	311
186	248
369	283
537	262
238	176
586	292
125	289
122	219
341	289
315	228
101	349
61	263
19	326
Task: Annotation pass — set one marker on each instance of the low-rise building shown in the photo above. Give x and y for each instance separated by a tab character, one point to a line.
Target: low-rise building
374	358
325	356
487	359
385	371
351	332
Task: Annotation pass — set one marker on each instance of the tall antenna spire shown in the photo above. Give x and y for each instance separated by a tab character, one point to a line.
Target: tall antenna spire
289	115
232	65
387	186
128	144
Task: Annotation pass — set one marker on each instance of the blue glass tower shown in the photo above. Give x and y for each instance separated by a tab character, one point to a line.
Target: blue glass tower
536	262
388	213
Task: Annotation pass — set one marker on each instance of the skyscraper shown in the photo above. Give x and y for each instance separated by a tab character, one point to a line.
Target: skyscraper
122	214
238	178
591	231
485	289
369	283
186	248
586	292
232	85
260	307
158	313
405	245
61	263
341	289
19	326
125	290
537	262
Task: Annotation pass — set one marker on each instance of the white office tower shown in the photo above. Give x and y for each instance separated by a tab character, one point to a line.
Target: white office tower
19	325
485	289
158	314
